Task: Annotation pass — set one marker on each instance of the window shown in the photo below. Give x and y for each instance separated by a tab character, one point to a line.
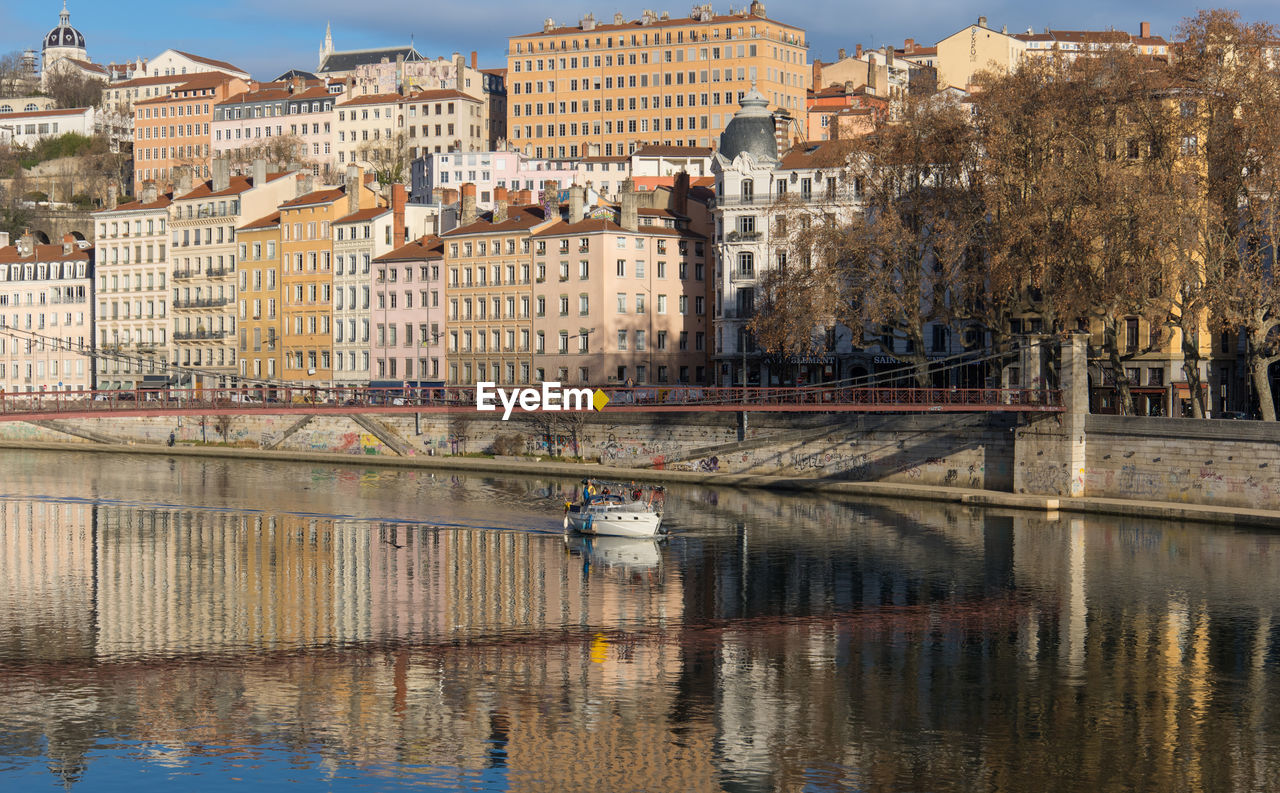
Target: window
622	340
1131	333
622	302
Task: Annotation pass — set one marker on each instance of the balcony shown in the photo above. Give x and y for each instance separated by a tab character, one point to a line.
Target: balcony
201	335
182	275
219	272
204	302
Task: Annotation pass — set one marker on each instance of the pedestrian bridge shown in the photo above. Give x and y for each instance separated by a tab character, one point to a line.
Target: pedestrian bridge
462	399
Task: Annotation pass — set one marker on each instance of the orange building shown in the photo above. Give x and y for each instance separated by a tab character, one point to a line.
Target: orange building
306	276
258	347
593	89
173	130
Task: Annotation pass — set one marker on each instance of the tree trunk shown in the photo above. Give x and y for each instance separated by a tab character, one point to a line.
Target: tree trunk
1262	385
1124	397
1191	368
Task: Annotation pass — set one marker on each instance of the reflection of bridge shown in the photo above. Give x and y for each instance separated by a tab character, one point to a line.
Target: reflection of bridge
460	399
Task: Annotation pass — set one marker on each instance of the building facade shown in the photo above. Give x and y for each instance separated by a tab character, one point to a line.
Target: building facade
28	127
132	270
293	121
173	130
408	314
596	89
46	316
386	130
258	344
203	252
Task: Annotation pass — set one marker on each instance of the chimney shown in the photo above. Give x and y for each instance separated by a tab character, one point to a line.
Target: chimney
182	180
68	244
4	239
857	51
221	173
841	54
888	55
259	172
817	73
149	192
113	196
680	194
630	216
450	196
1144	30
467	211
500	204
397	213
475	60
306	183
526	197
577	197
353	189
982	22
26	244
909	46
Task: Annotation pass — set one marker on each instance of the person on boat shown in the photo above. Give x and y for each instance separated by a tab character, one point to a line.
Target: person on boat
587	491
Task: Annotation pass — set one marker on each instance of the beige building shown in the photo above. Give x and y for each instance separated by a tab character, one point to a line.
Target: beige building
595	89
132	295
974	49
46	305
384	130
203	252
614	295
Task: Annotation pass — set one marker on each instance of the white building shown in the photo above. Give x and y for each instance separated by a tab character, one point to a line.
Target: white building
751	234
132	294
25	129
46	316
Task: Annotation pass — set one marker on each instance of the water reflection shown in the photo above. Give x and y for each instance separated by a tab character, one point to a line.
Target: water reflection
208	624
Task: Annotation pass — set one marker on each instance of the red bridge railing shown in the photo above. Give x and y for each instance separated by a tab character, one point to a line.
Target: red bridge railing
338	400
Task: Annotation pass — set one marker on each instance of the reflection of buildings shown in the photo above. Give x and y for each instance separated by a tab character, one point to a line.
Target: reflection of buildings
784	643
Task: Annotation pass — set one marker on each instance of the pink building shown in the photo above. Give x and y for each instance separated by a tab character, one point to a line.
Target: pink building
407	315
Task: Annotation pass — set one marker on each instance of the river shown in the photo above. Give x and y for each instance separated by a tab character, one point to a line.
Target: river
195	624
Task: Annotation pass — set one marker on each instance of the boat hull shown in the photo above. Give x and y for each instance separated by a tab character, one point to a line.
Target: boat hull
615	524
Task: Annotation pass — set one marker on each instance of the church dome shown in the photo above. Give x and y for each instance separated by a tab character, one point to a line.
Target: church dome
751	130
64	35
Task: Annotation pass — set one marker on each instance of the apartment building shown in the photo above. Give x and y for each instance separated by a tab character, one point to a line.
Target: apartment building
293	120
132	269
408	314
258	345
358	237
174	129
203	253
119	98
489	291
596	89
619	295
306	280
46	316
391	129
27	128
761	197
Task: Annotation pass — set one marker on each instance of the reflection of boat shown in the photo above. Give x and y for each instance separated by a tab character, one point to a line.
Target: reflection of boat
614	513
627	552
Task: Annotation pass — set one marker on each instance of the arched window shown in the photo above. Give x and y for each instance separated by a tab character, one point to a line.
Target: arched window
748	189
31	107
6	109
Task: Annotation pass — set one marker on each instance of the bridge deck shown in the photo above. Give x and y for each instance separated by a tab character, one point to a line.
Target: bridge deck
462	399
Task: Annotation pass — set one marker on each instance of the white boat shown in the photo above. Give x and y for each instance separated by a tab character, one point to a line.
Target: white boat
613	515
625	553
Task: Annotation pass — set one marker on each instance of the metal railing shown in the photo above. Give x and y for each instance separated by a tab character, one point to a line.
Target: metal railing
647	398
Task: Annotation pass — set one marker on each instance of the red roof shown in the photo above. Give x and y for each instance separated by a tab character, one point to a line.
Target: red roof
74	111
262	223
326	196
43	253
428	247
363	215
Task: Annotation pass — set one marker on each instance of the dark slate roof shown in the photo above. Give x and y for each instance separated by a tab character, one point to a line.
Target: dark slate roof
350	59
292	73
750	130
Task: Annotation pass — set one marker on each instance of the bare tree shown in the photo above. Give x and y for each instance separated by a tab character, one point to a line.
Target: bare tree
14	77
70	88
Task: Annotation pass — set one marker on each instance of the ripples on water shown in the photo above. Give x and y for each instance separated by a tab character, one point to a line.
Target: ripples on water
193	625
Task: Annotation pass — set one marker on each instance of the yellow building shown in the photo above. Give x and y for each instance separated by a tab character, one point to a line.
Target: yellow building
306	277
258	348
595	89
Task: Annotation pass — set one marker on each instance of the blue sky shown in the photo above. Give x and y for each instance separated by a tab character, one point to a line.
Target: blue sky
271	36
